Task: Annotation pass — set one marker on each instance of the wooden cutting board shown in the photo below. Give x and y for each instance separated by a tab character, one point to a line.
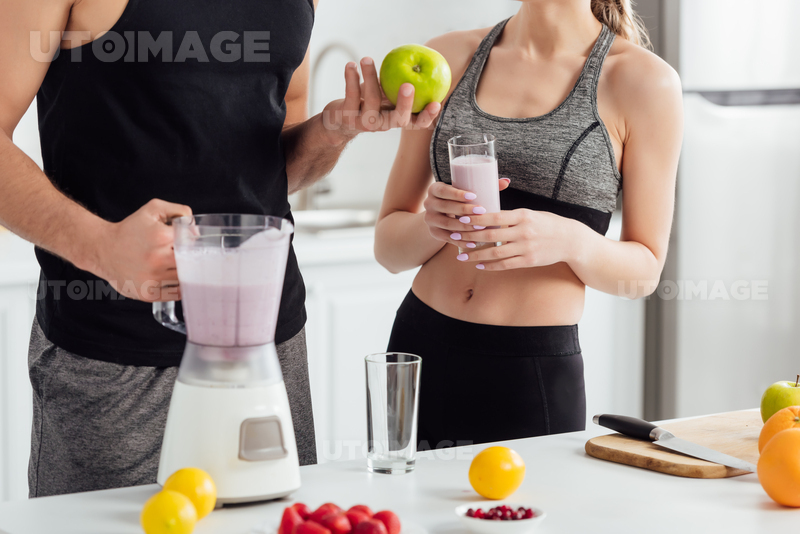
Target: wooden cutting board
733	433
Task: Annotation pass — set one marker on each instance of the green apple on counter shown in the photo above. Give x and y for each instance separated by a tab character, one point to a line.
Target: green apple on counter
778	396
424	68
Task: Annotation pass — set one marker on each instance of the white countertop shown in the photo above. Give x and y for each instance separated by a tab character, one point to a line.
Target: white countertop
580	495
335	247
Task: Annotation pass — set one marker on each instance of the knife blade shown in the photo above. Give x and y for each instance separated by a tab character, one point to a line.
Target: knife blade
637	428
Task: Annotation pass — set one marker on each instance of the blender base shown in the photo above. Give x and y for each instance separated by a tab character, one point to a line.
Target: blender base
243	437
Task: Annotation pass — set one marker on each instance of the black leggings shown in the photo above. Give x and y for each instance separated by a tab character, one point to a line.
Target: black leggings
483	383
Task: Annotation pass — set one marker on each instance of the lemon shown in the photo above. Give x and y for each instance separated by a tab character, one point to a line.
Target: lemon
197	485
168	512
496	472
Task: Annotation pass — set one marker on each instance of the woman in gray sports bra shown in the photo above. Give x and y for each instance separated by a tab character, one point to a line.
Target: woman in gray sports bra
497	327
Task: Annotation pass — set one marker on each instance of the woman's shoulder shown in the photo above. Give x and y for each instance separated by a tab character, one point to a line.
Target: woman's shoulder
458	47
631	69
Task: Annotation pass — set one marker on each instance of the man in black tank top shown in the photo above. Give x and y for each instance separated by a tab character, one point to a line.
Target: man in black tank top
150	110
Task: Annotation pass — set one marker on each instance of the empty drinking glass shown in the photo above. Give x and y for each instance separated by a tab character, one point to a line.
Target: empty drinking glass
392	394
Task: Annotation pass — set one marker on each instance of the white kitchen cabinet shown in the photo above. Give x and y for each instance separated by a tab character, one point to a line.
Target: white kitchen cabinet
16	314
18	276
351	303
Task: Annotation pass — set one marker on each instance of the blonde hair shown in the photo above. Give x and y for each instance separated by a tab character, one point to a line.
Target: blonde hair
620	17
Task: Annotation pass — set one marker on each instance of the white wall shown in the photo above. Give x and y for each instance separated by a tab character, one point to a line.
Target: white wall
26	136
373	28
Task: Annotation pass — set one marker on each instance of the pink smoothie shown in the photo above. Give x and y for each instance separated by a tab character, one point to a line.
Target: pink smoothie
230	316
231	296
477	174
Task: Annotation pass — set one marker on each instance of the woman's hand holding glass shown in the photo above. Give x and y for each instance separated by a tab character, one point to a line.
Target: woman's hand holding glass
449	212
529	239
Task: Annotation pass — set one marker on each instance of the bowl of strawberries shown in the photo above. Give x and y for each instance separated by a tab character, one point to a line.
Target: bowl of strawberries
332	519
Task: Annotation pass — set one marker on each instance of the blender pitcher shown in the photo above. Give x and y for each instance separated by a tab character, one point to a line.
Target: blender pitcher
229	412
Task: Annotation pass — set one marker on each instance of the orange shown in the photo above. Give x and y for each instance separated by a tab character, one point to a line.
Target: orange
197	485
779	467
496	472
781	420
168	512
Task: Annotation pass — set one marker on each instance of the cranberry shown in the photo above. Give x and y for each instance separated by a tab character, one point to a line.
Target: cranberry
502	513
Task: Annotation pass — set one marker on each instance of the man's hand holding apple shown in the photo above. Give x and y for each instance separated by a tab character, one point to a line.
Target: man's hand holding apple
415	78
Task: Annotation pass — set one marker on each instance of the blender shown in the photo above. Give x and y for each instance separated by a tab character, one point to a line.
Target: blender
229	413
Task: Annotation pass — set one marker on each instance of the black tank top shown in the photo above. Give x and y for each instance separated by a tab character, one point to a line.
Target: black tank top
181	101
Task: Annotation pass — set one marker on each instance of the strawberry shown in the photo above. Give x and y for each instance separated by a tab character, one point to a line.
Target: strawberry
390	520
322	511
289	520
363	508
355	517
302	509
337	523
310	527
370	526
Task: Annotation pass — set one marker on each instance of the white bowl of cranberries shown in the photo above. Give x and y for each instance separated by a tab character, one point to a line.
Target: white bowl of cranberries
497	517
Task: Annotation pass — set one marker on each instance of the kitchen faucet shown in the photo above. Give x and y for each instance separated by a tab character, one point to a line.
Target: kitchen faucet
306	198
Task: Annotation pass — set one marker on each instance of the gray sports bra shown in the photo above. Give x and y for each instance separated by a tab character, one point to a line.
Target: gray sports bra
561	162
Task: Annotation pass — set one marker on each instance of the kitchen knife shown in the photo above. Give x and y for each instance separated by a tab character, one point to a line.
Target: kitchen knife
637	428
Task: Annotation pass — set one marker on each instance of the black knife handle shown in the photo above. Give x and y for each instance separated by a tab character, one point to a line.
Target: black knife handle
630	426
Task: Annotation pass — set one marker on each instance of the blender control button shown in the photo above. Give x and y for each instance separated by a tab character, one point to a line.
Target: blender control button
261	438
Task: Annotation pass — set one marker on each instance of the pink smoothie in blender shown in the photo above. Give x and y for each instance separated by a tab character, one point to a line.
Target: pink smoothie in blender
231	296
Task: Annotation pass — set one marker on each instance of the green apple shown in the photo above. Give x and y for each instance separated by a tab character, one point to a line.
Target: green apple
779	396
425	68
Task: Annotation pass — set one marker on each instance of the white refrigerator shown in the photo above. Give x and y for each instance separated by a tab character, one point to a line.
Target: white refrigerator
724	324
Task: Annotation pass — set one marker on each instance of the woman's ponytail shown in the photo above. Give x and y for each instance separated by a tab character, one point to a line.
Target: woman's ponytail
619	16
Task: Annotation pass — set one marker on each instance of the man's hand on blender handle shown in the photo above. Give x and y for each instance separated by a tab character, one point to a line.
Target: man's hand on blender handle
529	239
366	109
136	256
450	212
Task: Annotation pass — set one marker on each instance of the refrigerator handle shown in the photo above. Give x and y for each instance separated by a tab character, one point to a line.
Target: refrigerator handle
765	97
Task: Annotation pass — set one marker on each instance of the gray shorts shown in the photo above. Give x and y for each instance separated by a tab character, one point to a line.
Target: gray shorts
99	425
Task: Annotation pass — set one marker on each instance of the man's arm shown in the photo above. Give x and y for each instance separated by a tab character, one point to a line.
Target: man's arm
29	204
313	146
299	168
137	249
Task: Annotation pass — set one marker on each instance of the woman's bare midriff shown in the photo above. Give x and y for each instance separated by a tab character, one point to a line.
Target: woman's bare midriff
539	296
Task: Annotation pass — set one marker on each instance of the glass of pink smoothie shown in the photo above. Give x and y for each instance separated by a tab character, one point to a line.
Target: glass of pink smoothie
473	167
